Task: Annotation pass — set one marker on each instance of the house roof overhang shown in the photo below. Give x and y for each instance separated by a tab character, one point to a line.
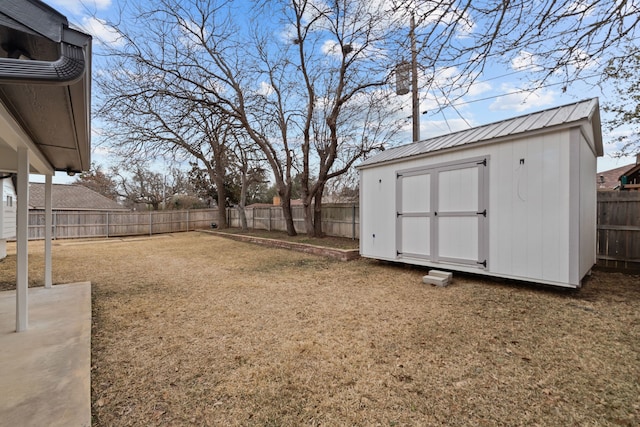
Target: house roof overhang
45	89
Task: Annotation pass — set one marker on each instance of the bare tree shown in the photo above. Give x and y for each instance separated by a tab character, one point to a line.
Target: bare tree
158	119
345	113
248	166
560	41
197	53
308	80
623	72
192	51
99	181
140	186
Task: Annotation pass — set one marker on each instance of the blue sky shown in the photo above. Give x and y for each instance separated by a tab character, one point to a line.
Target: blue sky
500	92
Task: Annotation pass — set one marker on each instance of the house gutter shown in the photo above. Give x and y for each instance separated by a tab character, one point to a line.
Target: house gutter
67	69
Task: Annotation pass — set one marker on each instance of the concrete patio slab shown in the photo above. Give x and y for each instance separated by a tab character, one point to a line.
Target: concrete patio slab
45	370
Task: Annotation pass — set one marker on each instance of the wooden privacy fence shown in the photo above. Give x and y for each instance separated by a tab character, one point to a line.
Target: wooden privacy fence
337	220
618	232
619	229
79	224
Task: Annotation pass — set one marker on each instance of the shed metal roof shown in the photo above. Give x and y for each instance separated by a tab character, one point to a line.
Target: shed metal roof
583	113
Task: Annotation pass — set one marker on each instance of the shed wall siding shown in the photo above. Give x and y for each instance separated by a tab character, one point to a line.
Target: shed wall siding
588	208
529	205
377	231
529	208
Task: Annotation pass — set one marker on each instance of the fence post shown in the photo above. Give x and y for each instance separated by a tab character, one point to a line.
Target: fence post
187	220
107	224
55	225
150	223
353	222
269	219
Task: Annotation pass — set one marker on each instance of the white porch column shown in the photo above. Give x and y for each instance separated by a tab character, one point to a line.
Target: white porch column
47	231
22	221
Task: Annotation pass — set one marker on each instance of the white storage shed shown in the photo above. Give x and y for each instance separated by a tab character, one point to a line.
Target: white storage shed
513	199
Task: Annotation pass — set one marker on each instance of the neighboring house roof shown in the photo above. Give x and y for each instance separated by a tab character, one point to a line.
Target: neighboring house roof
610	179
71	197
632	170
45	86
584	113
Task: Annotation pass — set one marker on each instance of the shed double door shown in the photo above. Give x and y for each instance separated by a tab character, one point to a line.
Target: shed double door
442	214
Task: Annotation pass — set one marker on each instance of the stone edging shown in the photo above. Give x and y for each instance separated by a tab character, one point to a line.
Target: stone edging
339	254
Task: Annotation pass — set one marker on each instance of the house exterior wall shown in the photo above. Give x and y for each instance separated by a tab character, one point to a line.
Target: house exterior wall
7	214
536	195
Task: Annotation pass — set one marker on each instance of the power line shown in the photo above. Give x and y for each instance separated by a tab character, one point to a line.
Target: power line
450	104
486	98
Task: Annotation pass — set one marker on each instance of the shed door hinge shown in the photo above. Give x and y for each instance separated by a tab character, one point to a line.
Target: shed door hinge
483	162
483	213
483	263
398	214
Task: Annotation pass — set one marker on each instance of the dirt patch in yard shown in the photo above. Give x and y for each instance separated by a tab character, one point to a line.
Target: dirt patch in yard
195	329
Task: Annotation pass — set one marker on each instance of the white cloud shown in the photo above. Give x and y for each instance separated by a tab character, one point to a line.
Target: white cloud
426	13
331	47
265	89
581	7
479	87
449	87
519	100
101	31
102	150
433	128
288	34
79	6
525	61
191	33
580	60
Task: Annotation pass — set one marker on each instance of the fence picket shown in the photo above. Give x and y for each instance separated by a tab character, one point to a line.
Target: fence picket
618	233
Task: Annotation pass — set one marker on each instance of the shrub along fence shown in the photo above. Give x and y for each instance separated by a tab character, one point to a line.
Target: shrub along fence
619	229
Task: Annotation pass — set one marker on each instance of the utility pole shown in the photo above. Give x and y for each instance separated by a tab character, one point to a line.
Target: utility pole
415	99
403	82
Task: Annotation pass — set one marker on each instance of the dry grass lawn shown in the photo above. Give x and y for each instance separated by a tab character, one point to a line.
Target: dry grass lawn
193	329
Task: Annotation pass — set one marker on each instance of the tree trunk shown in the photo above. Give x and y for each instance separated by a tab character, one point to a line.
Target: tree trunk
243	200
285	202
317	212
222	203
308	216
